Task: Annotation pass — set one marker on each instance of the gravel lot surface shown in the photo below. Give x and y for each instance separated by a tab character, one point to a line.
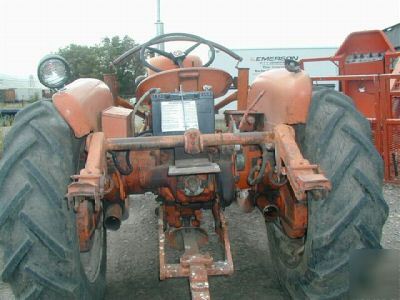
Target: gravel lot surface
133	256
391	230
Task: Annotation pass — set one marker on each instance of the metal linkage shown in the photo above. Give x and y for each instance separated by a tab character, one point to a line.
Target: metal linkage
91	180
193	264
302	175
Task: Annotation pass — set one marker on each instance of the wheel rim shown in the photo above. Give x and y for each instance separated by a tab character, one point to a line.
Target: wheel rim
91	260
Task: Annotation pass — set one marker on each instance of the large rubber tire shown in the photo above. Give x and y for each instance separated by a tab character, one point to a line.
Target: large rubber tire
351	217
38	235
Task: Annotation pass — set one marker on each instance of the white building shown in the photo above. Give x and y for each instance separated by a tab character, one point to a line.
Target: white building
20	89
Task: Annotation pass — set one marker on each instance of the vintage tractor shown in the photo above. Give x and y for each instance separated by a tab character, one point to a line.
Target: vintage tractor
303	156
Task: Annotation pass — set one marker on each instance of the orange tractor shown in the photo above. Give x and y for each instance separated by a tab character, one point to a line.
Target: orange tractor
303	156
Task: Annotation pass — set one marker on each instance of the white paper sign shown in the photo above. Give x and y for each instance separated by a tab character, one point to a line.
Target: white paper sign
178	115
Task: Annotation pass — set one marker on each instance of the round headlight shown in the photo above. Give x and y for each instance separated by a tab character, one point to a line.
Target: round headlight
53	71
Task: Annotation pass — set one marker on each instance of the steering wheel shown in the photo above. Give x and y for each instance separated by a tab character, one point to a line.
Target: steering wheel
176	57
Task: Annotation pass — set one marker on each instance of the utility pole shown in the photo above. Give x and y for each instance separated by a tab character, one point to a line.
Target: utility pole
159	25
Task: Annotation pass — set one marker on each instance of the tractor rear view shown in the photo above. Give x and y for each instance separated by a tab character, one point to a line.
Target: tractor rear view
302	156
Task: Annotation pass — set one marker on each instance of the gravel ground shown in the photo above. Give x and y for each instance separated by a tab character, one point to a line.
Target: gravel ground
391	230
133	256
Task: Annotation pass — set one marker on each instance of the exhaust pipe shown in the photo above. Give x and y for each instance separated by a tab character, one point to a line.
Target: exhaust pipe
270	212
113	215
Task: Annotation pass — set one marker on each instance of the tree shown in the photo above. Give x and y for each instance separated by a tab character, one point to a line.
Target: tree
94	61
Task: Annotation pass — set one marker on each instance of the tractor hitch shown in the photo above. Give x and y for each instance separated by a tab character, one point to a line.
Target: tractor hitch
194	264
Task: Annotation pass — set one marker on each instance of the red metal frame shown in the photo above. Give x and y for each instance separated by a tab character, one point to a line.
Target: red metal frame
369	74
385	125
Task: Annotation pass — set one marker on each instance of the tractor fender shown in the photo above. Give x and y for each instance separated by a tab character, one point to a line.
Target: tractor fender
81	102
283	96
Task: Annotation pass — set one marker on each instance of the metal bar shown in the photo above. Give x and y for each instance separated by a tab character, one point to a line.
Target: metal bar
218	268
355	77
392	54
392	121
395	93
242	88
198	279
332	59
345	77
381	114
227	265
207	140
317	59
226	101
302	175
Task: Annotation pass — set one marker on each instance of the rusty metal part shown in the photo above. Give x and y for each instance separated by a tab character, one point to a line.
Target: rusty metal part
187	79
194	169
112	83
194	265
229	99
293	214
254	121
197	264
242	88
81	102
112	217
146	175
246	121
91	181
193	142
117	190
175	236
302	175
207	140
86	222
252	155
286	99
193	185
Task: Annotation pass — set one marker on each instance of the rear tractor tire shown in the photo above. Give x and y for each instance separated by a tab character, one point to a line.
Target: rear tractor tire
351	217
38	235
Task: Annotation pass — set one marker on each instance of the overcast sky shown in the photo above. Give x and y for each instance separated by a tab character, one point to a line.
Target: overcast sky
31	29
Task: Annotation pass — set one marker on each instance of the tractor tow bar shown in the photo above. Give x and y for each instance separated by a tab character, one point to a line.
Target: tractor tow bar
193	264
